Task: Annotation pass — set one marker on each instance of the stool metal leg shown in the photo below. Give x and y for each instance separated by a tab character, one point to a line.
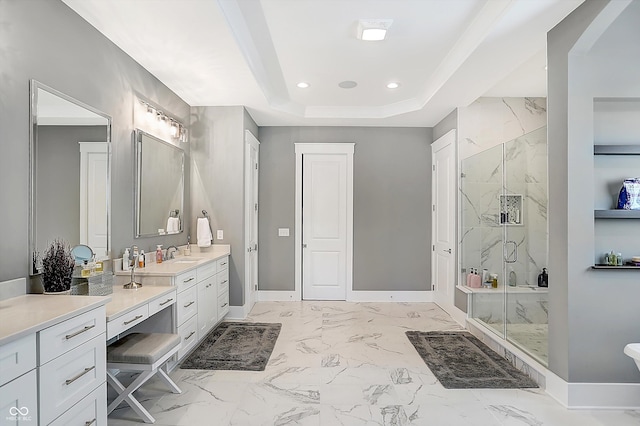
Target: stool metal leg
126	394
167	381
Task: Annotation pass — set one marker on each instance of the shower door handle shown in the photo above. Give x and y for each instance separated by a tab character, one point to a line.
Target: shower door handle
510	257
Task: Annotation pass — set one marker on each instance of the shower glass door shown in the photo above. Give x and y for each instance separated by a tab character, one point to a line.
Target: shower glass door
482	234
524	207
504	230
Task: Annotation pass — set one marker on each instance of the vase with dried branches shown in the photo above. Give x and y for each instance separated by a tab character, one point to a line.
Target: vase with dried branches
57	267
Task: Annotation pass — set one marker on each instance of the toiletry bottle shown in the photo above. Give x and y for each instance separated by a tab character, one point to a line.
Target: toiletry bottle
543	278
125	260
494	280
85	269
485	276
141	259
92	265
159	253
476	280
618	259
187	250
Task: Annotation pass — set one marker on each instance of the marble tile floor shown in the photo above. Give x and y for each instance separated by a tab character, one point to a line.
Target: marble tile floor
349	364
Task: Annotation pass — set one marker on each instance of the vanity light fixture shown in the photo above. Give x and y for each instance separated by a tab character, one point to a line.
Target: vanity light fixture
176	129
373	29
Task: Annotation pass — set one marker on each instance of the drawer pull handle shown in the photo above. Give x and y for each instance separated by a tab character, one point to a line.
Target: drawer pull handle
224	282
135	319
223	264
189	336
89	423
72	335
73	379
186	281
224	305
166	301
189	304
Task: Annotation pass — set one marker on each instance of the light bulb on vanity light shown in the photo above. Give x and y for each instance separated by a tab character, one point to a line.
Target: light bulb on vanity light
174	129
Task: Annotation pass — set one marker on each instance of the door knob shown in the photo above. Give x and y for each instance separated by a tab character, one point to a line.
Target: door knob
448	251
304	246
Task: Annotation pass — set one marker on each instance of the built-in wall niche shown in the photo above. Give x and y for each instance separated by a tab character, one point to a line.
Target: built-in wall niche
616	157
511	209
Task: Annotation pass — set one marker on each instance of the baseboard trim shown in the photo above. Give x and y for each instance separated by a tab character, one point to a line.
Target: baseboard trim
619	396
236	313
277	296
390	296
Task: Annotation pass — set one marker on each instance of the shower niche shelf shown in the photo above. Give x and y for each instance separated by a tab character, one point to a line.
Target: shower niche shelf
617	214
511	209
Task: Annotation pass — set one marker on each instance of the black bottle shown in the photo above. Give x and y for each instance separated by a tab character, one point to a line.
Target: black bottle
543	278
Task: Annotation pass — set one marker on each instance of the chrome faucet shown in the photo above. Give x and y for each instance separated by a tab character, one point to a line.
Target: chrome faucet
133	284
171	254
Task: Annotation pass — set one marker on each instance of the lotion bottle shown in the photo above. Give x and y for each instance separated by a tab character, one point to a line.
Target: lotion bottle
125	260
159	253
141	259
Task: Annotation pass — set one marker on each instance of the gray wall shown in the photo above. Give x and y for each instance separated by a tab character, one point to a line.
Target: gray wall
47	41
392	195
217	181
592	314
448	123
58	157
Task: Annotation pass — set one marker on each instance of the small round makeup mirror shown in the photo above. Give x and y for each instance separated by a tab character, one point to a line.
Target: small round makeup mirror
81	253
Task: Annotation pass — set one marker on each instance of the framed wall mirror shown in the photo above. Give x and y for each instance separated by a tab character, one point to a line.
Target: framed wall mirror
159	186
70	161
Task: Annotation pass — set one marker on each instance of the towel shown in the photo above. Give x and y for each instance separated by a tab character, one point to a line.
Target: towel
173	225
204	232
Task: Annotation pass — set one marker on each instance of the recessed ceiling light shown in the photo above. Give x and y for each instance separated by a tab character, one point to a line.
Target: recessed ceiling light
373	29
393	85
303	85
347	84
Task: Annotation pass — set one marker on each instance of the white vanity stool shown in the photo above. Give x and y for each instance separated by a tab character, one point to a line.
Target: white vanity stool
140	352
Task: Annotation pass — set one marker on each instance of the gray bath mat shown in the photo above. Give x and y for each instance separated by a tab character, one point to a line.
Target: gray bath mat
235	346
461	361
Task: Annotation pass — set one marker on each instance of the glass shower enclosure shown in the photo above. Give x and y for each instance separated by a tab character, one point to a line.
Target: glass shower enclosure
503	199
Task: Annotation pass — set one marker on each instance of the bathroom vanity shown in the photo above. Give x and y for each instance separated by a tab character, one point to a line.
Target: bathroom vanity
196	288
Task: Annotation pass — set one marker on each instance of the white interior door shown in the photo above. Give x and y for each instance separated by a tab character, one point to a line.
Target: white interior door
443	221
93	196
252	156
326	225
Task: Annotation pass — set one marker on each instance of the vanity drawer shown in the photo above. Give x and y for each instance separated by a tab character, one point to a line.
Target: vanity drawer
223	305
160	303
223	264
62	337
207	270
126	321
188	335
70	377
223	282
91	410
17	357
185	280
187	304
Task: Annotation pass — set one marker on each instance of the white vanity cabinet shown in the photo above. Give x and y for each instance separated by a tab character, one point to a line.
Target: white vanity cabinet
222	279
53	364
207	299
187	311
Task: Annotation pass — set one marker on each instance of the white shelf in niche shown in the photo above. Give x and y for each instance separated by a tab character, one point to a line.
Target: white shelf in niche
511	211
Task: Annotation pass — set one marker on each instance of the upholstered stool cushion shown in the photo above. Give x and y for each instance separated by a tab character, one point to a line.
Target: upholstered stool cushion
141	348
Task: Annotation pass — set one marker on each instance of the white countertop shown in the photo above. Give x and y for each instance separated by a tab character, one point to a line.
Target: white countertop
170	268
126	300
27	314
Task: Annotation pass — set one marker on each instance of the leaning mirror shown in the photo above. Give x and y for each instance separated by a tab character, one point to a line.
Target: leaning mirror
159	186
69	173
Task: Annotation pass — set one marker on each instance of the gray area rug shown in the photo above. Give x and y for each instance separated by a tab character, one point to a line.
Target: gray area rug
235	346
461	361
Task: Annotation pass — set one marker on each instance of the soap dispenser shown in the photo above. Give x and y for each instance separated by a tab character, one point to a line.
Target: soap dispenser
543	278
159	253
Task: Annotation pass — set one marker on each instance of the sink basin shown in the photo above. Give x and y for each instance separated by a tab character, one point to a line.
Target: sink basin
187	261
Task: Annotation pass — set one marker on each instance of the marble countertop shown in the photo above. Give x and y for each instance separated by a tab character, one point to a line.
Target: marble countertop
517	289
22	315
170	268
126	300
